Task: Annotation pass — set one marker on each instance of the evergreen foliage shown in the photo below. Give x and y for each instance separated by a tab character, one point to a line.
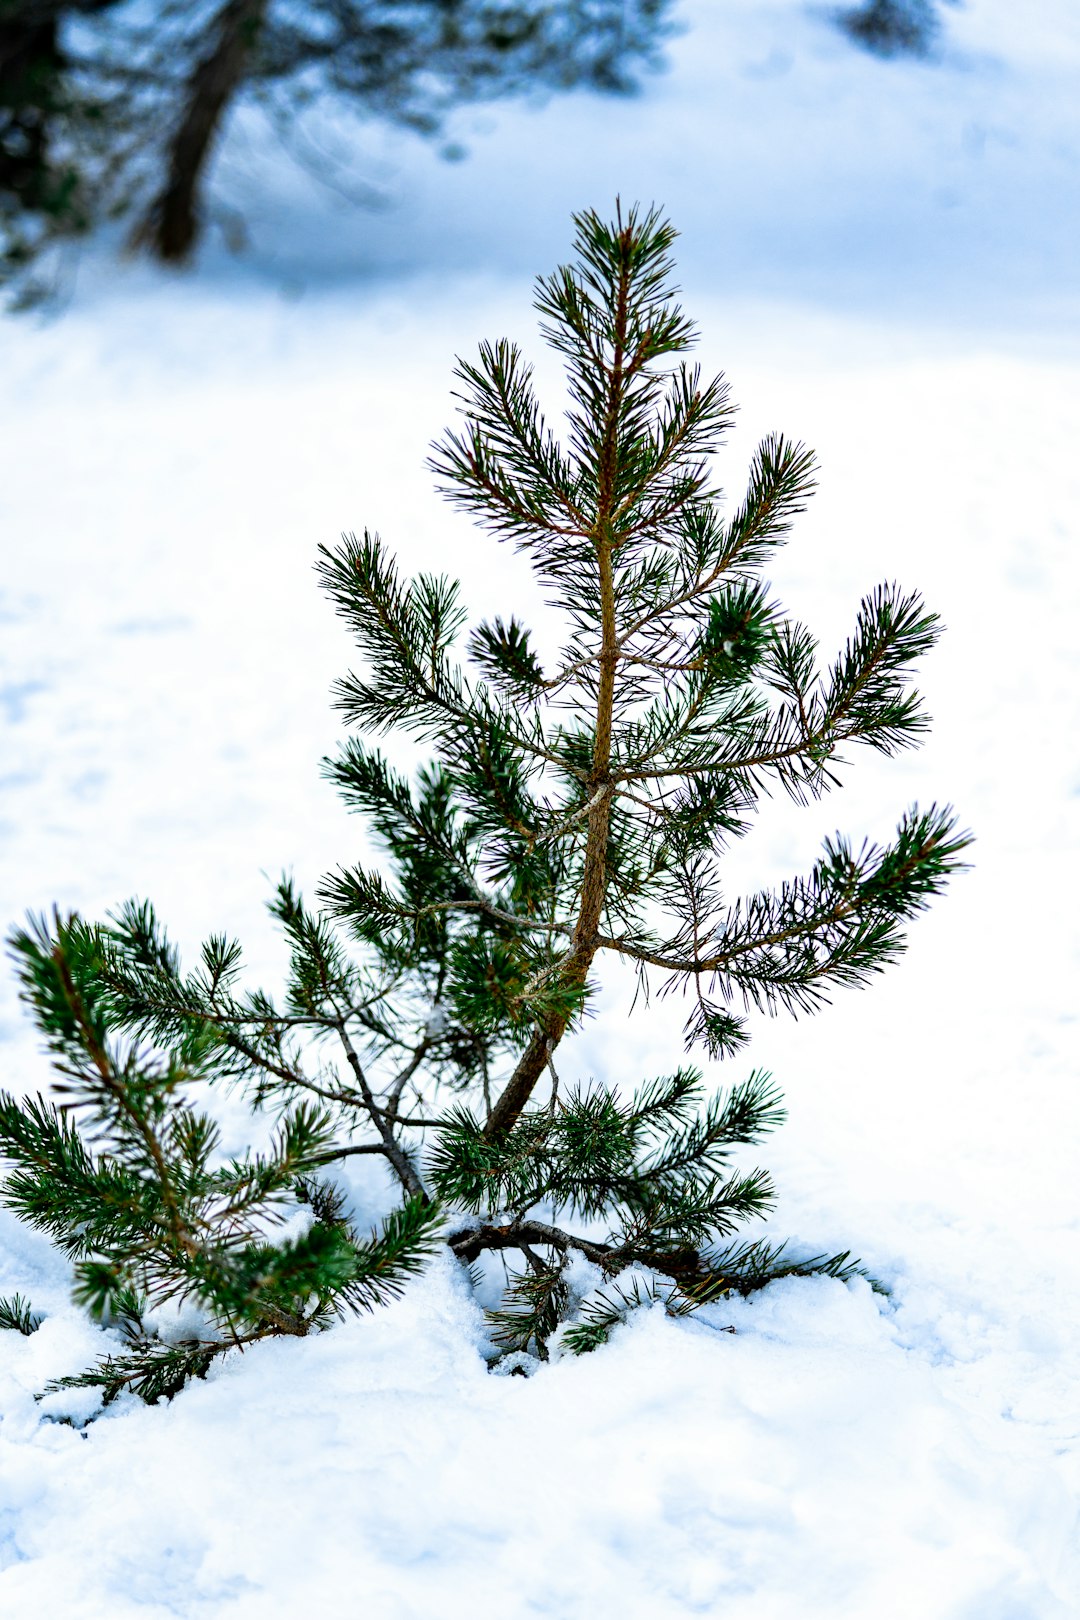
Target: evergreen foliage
17	1316
575	811
146	1207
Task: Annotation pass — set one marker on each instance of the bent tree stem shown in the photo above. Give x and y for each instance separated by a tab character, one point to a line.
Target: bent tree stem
683	1265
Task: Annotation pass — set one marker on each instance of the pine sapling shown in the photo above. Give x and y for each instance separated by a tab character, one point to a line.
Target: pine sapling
573	814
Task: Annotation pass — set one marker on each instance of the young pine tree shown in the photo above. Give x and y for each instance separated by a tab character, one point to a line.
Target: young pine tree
572	814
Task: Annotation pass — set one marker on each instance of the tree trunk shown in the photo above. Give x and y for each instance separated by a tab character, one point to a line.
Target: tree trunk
173	221
534	1059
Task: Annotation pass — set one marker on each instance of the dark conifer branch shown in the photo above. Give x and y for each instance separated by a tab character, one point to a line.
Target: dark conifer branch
469	1243
354	1150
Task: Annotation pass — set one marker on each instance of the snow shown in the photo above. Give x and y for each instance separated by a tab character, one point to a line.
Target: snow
809	1464
882	257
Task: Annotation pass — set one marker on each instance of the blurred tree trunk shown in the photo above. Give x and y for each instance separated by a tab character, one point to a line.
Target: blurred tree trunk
171	225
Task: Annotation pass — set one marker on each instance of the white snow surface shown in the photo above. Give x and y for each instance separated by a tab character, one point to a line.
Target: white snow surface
882	257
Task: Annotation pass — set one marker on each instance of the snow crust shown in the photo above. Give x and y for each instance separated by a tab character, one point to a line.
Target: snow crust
172	453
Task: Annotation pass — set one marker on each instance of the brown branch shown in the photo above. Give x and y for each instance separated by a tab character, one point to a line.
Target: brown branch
471	1241
394	1151
401	1080
332	1155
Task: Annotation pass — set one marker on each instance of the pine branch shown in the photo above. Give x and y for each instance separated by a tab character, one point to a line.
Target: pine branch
157	1372
17	1316
400	1160
839	926
533	1307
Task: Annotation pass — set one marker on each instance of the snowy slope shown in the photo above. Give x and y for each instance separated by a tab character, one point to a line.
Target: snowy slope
171	454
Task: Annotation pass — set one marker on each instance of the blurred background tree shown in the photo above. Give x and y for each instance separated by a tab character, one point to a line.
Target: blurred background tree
894	27
111	111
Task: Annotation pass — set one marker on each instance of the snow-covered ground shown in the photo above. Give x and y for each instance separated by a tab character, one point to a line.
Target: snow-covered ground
882	257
